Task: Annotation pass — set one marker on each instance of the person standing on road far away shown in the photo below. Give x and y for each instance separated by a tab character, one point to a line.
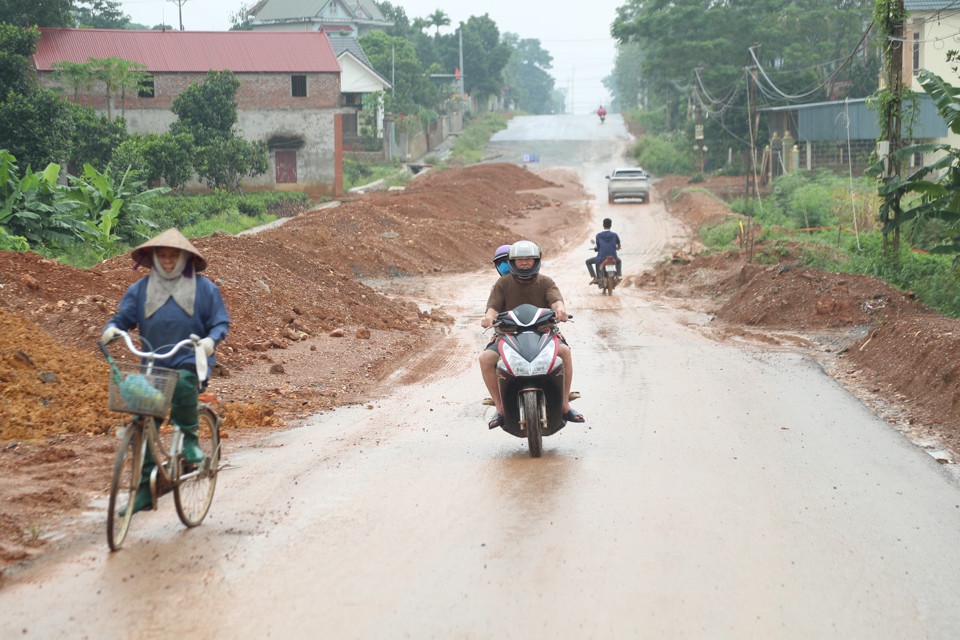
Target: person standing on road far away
607	245
524	285
168	305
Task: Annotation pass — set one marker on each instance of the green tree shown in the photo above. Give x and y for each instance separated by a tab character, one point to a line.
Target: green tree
40	13
394	13
484	54
36	127
208	112
95	137
155	157
396	59
527	82
626	83
240	20
438	19
209	109
804	45
117	75
224	162
35	124
77	76
100	14
16	47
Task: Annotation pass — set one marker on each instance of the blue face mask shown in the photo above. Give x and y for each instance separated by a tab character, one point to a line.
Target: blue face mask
503	268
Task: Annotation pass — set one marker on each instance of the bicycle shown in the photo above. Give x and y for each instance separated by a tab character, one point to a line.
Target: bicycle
145	391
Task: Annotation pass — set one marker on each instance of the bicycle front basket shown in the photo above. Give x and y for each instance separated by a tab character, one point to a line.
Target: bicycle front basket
136	391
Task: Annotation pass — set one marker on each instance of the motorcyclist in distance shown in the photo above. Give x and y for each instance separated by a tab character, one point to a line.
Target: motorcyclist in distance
606	243
602	113
524	285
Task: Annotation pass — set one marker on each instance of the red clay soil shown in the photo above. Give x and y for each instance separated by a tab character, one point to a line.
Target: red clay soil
295	299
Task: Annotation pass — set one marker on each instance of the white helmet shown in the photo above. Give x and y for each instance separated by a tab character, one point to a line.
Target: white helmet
524	249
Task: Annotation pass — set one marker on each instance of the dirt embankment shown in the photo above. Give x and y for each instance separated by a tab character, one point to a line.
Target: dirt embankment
307	336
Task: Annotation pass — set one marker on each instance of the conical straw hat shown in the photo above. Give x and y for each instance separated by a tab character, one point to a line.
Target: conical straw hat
169	238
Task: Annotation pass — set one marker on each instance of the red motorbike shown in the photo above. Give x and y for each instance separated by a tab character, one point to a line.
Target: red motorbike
607	278
530	374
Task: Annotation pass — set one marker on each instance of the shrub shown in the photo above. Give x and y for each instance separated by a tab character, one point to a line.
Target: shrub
663	154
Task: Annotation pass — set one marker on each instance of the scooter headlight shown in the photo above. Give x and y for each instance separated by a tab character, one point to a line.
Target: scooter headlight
540	365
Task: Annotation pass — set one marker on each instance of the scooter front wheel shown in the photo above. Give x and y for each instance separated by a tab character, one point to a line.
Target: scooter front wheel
530	422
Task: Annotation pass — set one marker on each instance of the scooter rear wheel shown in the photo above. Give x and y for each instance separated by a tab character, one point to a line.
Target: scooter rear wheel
530	421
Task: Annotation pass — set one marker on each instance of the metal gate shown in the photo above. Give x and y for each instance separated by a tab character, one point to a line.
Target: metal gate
286	166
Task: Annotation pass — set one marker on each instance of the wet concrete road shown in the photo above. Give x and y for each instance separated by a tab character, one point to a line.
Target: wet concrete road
716	491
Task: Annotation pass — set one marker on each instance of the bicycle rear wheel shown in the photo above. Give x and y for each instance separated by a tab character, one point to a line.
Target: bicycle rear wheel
123	487
193	492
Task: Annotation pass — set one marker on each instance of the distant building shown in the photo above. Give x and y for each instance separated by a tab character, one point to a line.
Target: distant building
289	94
930	32
361	87
351	17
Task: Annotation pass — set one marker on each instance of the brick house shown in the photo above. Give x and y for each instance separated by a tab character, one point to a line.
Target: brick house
289	94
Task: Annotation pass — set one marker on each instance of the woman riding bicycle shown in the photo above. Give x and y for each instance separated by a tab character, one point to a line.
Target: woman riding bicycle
168	305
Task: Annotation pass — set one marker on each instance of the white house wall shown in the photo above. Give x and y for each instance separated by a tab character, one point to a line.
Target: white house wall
356	78
937	33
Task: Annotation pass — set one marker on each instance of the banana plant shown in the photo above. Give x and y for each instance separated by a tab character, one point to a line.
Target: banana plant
937	184
33	207
113	210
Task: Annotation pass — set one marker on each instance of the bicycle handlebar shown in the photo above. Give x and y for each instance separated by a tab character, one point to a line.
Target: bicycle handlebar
155	355
200	356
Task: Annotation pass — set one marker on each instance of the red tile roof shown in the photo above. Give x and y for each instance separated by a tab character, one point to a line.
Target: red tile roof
192	51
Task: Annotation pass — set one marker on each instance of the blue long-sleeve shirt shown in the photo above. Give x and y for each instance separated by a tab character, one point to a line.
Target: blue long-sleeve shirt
170	324
607	243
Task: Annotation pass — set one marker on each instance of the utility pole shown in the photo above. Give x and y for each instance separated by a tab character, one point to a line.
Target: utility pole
891	124
698	145
180	4
462	92
753	123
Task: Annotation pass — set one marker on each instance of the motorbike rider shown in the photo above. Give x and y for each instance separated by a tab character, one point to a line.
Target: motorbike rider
602	113
607	243
500	259
524	285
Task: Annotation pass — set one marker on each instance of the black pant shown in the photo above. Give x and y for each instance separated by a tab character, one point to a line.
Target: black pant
591	267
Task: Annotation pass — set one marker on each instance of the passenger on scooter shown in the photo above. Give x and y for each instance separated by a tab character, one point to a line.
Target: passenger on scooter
524	285
607	244
500	259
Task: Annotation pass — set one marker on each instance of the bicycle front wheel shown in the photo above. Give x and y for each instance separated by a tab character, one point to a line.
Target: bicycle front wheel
193	492
123	487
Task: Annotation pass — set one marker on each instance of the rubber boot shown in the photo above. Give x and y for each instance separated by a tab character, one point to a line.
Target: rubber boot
192	452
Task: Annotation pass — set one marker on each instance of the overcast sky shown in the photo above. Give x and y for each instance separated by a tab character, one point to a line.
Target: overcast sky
577	34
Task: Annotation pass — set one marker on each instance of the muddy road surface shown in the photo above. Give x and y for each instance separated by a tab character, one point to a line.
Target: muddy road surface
716	490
